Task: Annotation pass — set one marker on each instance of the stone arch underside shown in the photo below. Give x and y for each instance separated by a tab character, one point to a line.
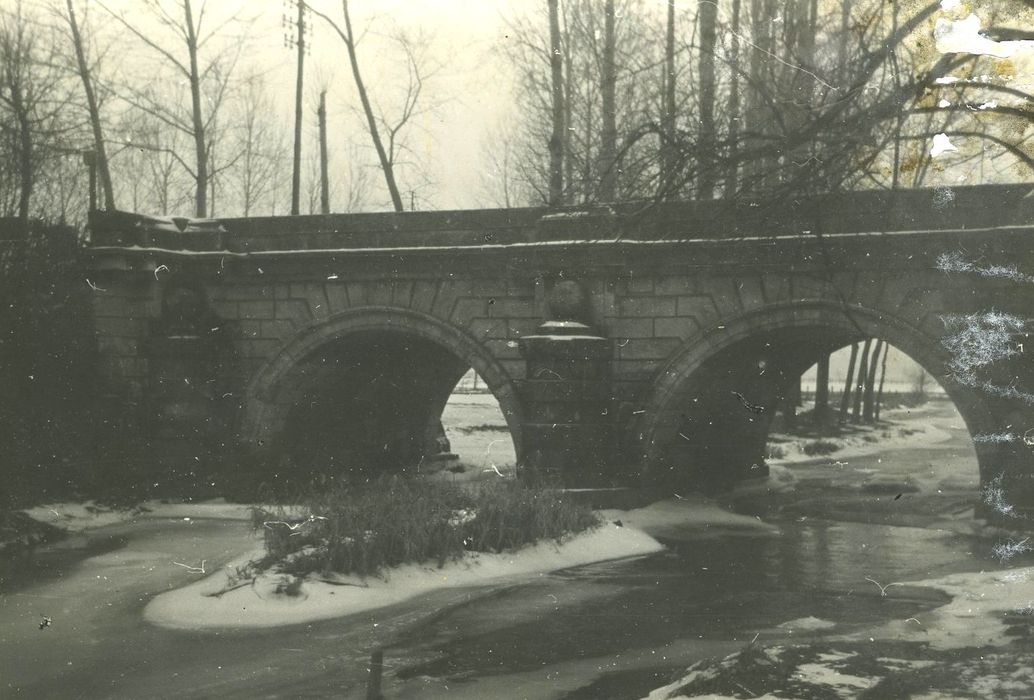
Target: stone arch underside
707	417
363	389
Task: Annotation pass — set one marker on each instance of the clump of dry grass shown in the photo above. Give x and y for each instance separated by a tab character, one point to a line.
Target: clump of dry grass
367	528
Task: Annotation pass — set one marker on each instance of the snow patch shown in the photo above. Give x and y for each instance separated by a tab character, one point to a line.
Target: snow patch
258	605
820	674
973	618
908	435
807	624
88	515
689	517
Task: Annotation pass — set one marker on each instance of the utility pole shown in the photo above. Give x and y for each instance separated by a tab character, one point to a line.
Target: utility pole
321	113
297	40
556	139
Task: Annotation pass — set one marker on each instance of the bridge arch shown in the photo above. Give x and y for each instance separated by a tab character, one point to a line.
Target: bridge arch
360	354
756	355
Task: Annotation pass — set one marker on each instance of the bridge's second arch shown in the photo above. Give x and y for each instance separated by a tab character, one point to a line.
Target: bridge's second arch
364	391
709	410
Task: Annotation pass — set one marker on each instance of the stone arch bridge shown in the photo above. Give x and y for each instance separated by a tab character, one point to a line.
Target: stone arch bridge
614	338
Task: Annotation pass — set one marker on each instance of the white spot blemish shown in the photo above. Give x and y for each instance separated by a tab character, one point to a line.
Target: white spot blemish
963	36
941	144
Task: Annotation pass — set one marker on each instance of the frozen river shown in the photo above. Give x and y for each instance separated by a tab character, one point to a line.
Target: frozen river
615	629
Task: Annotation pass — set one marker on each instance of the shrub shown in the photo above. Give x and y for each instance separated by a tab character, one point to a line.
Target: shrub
364	529
820	447
776	451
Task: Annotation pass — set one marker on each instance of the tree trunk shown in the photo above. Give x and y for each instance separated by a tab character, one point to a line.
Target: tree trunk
371	121
567	152
732	169
821	414
296	172
26	176
668	117
790	403
324	179
95	117
556	139
609	132
845	398
845	29
863	371
870	383
883	375
708	18
200	154
754	116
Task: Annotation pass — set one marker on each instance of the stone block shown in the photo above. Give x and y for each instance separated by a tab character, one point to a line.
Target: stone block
680	327
520	327
256	309
490	288
379	294
402	293
294	310
647	307
672	285
752	295
466	309
424	293
620	328
277	330
337	297
511	308
697	306
640	372
640	285
503	349
484	328
648	348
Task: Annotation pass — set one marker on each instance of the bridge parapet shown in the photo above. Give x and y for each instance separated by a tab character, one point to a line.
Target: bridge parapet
867	212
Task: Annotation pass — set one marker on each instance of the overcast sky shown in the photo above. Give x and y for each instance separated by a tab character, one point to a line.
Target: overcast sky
471	92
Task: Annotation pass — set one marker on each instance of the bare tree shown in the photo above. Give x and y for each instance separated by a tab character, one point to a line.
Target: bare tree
869	398
384	155
821	413
261	145
93	109
356	191
863	373
502	181
34	101
210	79
607	73
321	114
845	397
707	20
795	97
608	86
667	155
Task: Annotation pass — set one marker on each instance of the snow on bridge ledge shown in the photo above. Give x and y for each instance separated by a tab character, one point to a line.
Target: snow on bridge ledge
984	209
